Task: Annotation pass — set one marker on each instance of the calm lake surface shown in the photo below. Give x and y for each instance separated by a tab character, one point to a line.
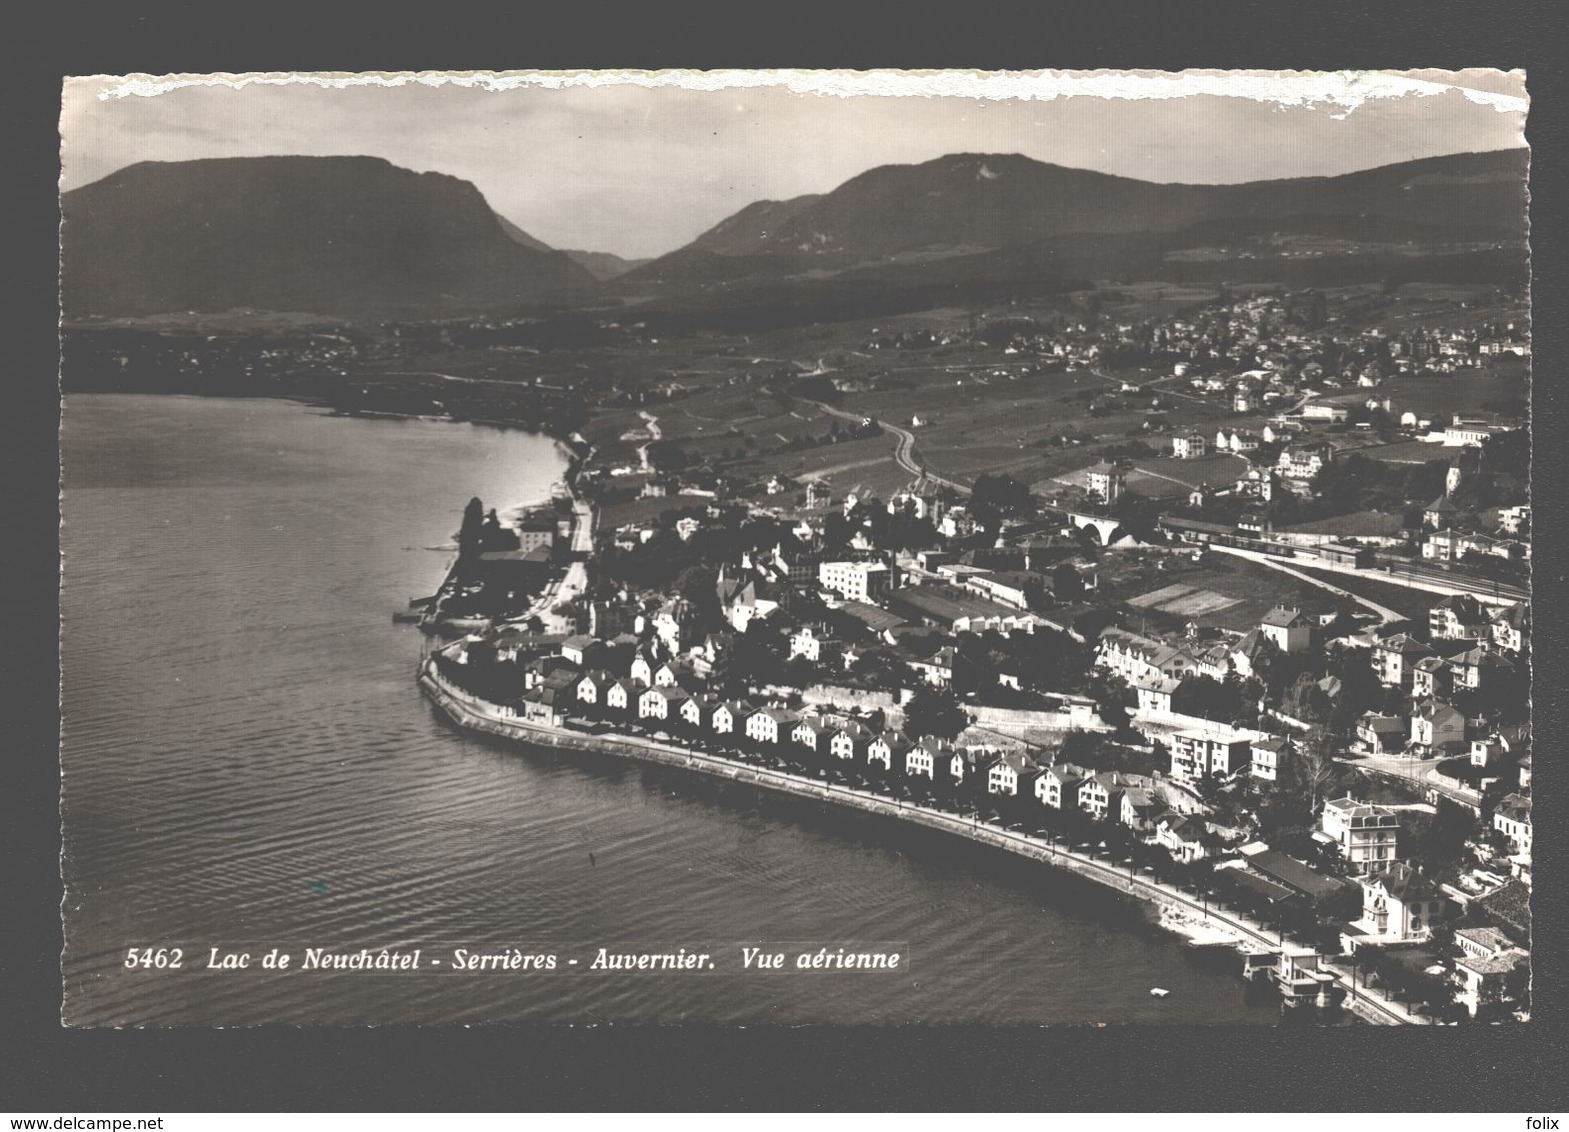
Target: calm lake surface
248	765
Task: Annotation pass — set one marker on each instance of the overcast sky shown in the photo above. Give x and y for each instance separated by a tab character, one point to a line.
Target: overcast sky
640	170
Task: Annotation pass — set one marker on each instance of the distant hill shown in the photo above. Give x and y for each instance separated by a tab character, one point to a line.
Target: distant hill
521	236
601	265
351	237
1076	222
604	265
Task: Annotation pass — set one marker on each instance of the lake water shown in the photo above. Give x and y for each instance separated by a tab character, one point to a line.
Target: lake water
248	765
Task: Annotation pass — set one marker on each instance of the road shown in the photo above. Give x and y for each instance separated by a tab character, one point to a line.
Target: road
1414	772
904	449
1388	615
1370	1003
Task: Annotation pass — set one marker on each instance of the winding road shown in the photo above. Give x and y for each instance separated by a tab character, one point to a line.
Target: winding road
904	449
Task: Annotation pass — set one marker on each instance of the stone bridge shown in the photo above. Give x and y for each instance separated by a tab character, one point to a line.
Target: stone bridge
1104	526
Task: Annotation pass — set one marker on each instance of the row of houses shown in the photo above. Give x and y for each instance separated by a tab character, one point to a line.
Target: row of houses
1447	664
1451	545
1138	658
652	692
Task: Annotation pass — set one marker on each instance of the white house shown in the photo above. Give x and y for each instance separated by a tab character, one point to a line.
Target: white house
1365	834
1155	693
579	649
698	711
1395	658
1459	617
770	725
1398	905
811	734
855	581
1511	626
1134	657
1095	794
1512	818
1269	753
806	642
1139	810
1005	775
1181	836
660	703
919	759
850	740
1198	753
1435	726
728	717
1105	482
1287	628
591	687
675	623
1060	784
621	695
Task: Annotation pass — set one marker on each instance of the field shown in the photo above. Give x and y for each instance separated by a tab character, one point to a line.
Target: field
972	407
1410	452
1463	392
1354	524
640	511
1439	305
1219	592
1183	600
1411	603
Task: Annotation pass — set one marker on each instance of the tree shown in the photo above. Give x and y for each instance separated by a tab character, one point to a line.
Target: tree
1220	700
1360	688
754	658
696	584
1082	748
1066	583
933	711
1115	697
1440	843
1308	773
471	533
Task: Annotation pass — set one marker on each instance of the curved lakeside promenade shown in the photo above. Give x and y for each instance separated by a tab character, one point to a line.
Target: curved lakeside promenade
1180	912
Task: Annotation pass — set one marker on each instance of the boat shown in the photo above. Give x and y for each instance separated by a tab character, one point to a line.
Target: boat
1159	992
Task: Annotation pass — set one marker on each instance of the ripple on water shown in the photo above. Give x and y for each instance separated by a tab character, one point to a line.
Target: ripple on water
246	761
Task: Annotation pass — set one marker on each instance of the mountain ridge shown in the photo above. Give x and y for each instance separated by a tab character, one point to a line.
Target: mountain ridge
993	201
351	236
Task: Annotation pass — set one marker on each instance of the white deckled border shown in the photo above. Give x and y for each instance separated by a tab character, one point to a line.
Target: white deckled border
1345	90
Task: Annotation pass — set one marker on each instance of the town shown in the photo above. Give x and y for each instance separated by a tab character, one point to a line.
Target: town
1280	662
1226	583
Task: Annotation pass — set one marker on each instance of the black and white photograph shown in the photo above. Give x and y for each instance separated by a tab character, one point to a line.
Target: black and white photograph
829	548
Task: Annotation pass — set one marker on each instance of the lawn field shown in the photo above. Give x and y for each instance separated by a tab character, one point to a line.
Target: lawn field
1216	469
640	511
1184	600
978	410
1410	452
1220	591
1464	392
1350	525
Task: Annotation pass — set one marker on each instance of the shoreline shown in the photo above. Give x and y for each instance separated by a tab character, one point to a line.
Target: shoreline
317	401
1197	924
1175	913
